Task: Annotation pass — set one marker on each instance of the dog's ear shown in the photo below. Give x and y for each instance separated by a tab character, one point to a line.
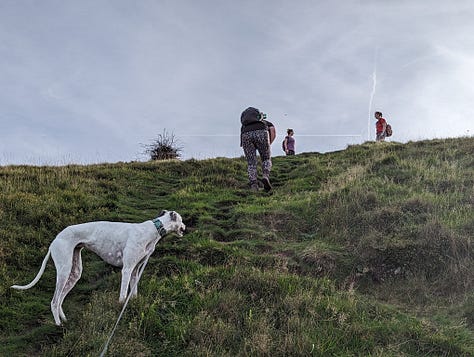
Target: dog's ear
162	213
174	216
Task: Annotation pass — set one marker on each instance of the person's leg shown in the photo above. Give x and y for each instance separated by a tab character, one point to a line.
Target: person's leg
250	152
263	147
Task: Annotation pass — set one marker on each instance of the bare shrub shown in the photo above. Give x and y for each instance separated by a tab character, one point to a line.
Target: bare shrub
165	147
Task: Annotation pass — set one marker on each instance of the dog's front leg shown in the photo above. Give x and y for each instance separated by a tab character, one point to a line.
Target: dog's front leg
134	259
137	274
126	274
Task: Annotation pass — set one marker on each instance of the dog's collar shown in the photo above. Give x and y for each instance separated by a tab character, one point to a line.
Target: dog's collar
159	227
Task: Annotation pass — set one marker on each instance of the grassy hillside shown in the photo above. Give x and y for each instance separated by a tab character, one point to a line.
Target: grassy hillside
362	252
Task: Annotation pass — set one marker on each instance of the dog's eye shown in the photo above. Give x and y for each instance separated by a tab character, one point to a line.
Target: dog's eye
162	213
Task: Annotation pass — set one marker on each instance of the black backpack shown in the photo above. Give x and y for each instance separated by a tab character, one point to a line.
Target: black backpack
250	115
388	130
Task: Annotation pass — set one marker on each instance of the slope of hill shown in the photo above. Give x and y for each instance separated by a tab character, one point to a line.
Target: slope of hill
366	251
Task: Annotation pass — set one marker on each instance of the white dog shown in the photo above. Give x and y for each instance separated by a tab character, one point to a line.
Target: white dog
126	245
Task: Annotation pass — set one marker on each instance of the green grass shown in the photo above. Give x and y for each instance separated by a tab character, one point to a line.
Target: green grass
361	252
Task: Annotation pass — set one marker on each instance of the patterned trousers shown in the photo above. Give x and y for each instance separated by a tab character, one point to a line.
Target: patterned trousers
253	141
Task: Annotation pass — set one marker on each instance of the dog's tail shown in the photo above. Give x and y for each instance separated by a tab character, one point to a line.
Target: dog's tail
38	276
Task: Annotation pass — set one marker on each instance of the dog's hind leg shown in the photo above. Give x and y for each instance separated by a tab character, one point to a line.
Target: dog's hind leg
62	254
74	277
61	281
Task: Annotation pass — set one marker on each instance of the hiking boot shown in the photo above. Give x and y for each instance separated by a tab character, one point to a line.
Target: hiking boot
254	186
267	186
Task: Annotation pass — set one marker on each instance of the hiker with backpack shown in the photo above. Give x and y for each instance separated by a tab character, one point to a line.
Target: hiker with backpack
380	127
288	144
257	134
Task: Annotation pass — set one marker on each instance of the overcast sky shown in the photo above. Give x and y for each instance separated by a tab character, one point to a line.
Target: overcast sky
92	81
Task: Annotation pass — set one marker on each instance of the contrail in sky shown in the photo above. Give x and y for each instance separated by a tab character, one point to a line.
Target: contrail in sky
372	94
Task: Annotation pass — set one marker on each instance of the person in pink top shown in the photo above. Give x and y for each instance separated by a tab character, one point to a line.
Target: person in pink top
289	143
380	127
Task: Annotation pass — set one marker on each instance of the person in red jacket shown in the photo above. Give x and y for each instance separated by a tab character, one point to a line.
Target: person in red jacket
380	127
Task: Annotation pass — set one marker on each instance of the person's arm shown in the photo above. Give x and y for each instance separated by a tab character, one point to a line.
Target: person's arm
285	144
272	132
